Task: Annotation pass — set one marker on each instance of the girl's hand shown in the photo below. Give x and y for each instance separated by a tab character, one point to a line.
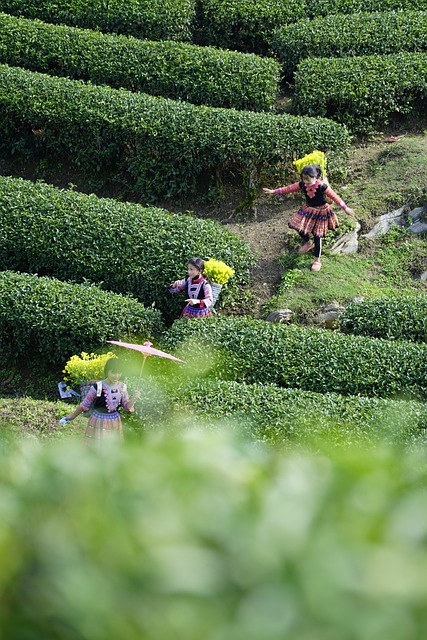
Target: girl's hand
191	301
349	211
68	417
270	191
176	284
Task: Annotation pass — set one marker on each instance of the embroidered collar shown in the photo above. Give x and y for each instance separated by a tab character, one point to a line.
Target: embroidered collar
311	188
196	280
112	396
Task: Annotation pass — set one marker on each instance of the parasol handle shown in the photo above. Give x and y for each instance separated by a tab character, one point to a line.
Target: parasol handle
144	357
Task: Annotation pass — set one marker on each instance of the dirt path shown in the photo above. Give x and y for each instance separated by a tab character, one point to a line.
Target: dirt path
266	236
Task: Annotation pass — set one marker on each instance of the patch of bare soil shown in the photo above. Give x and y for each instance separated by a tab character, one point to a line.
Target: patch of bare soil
267	236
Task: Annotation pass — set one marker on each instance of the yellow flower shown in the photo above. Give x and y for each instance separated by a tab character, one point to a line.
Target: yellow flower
315	157
86	367
218	271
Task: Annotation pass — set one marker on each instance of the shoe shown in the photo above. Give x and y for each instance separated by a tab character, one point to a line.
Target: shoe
306	247
317	265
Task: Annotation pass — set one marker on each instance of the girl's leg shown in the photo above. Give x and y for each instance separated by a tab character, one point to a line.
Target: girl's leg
317	265
308	244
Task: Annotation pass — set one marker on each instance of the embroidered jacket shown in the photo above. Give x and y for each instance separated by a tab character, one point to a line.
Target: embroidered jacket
315	193
110	399
196	289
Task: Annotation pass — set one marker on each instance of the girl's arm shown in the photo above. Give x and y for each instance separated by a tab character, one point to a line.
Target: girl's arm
76	412
177	286
129	403
282	191
330	193
85	405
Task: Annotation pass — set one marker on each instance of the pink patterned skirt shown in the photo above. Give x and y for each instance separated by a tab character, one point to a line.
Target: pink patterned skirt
104	428
195	312
315	220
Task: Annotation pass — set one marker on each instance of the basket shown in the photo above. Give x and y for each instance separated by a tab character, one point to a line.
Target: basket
85	387
216	290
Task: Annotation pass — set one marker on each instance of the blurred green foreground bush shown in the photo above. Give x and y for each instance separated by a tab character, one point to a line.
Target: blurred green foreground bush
200	536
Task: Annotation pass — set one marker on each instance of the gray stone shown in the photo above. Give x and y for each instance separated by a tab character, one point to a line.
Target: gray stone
281	316
418	227
347	243
329	314
386	221
416	214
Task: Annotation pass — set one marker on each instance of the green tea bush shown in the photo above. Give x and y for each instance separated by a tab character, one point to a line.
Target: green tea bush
152	146
124	247
338	36
152	19
199	535
363	92
249	25
400	318
201	75
276	415
318	360
44	318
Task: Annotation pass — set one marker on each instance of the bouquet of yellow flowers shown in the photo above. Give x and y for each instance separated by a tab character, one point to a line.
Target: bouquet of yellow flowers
218	271
315	157
87	366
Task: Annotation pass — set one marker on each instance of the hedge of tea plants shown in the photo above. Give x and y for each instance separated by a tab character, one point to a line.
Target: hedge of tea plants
152	19
45	318
273	414
363	92
249	25
125	247
244	349
201	75
338	36
400	318
153	146
200	535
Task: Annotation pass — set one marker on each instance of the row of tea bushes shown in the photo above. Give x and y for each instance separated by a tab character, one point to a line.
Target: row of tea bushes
363	92
125	247
273	414
249	25
152	19
318	360
338	36
201	75
45	318
149	145
400	318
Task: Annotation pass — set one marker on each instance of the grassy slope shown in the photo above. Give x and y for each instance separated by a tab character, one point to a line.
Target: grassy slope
383	177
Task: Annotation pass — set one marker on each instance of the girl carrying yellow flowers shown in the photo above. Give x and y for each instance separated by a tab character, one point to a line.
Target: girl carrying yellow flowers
316	216
197	289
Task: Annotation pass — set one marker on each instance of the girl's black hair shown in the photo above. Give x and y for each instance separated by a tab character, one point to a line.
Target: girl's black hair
198	263
312	170
114	365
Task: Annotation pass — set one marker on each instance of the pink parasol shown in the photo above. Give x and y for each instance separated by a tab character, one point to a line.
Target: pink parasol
147	350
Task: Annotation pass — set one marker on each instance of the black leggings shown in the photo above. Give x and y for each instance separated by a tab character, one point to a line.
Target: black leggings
317	243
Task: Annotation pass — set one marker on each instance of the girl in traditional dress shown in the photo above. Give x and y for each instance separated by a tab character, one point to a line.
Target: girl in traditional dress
316	215
197	288
105	423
